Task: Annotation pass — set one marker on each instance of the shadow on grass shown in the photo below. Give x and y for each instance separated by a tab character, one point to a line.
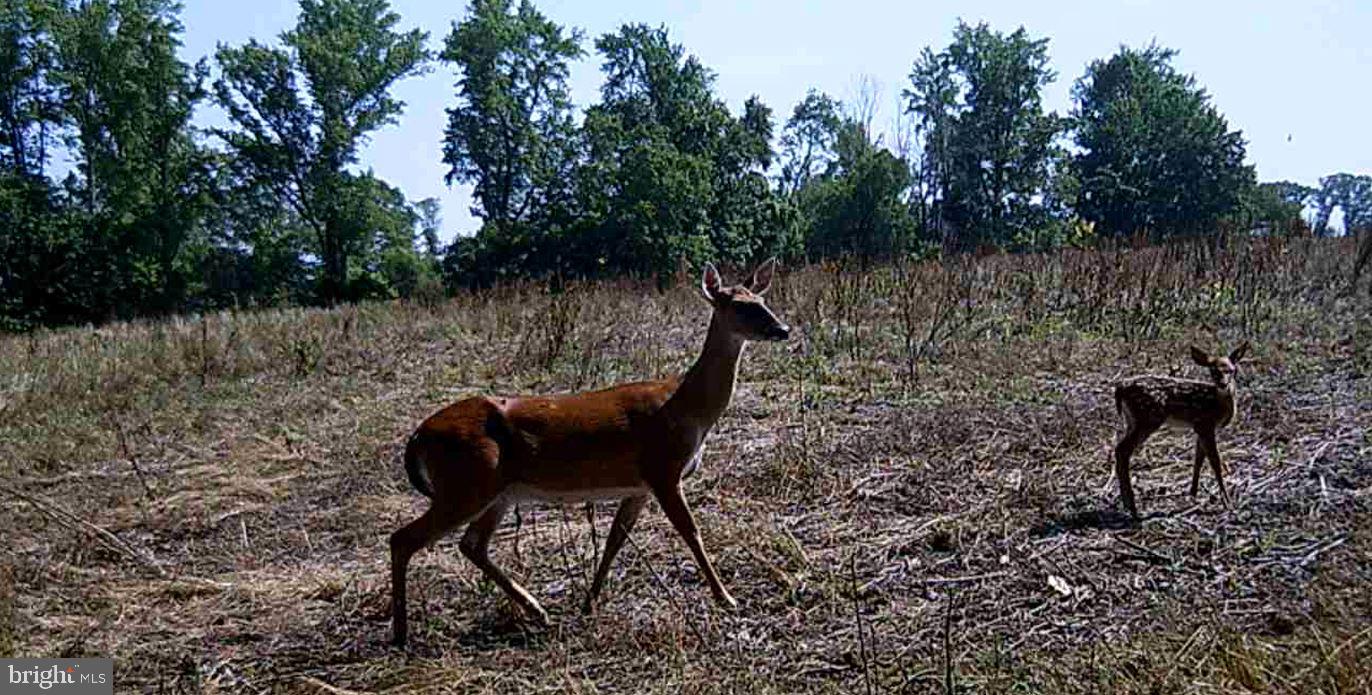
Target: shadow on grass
501	630
1101	519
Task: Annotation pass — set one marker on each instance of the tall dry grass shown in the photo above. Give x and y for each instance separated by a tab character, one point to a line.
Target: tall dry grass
914	491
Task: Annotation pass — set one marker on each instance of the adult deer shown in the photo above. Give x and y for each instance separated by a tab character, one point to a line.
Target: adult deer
478	457
1150	402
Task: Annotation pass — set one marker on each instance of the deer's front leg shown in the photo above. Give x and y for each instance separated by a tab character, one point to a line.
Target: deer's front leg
1195	468
629	509
674	506
1212	450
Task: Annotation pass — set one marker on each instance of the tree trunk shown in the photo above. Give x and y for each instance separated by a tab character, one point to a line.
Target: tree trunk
334	283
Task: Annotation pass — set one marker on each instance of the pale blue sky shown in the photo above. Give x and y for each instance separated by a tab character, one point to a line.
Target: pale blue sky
1277	70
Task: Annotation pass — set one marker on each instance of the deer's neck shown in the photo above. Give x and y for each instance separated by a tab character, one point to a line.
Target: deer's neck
1228	396
708	386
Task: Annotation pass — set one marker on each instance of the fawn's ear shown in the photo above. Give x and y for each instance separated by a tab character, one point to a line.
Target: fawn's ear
709	283
1239	352
1199	357
762	277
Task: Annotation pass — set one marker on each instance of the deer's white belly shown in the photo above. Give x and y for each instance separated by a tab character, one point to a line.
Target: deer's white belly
524	492
1176	424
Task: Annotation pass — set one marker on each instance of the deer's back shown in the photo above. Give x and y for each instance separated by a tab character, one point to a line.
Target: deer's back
1161	399
588	445
581	443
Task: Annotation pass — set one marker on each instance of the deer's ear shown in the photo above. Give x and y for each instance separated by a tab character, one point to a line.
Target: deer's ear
762	277
709	283
1199	357
1239	352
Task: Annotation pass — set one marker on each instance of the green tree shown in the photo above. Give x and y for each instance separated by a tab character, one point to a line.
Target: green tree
383	223
127	100
987	143
256	246
1053	222
511	133
1274	207
430	224
302	111
748	223
1001	139
648	180
808	140
31	247
28	104
1156	155
671	174
932	99
1347	192
857	206
849	189
1290	192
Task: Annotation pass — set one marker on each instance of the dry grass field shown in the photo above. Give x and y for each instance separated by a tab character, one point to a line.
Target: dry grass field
914	494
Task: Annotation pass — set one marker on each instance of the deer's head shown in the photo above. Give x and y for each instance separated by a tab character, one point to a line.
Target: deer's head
1222	369
740	308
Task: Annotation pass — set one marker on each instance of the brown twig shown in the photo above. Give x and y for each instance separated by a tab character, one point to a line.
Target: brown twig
857	618
101	535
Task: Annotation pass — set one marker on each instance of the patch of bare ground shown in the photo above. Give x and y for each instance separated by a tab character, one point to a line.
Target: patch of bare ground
913	495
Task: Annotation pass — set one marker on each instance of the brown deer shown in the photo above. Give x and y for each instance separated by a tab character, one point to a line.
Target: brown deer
478	457
1150	402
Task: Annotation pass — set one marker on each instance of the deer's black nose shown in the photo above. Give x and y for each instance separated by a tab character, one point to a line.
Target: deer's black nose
779	331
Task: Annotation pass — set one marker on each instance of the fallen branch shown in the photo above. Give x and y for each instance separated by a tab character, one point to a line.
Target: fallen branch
71	521
857	618
1146	550
963	580
1310	557
323	687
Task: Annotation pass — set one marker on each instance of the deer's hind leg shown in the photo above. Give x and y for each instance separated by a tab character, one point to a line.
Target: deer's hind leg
426	530
1137	431
466	488
476	545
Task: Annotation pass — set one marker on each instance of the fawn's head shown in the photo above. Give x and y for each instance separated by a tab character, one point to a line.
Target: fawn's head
1221	368
740	308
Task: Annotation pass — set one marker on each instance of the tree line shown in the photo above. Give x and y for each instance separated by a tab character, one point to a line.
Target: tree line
114	204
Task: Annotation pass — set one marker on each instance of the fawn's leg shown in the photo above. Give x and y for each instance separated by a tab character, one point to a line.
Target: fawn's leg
1207	436
1195	468
1133	437
476	545
629	509
674	506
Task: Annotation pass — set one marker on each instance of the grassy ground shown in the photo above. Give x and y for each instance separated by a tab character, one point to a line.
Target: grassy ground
913	494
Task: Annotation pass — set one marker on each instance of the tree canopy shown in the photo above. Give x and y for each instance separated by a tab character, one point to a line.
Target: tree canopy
1156	155
114	204
301	110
